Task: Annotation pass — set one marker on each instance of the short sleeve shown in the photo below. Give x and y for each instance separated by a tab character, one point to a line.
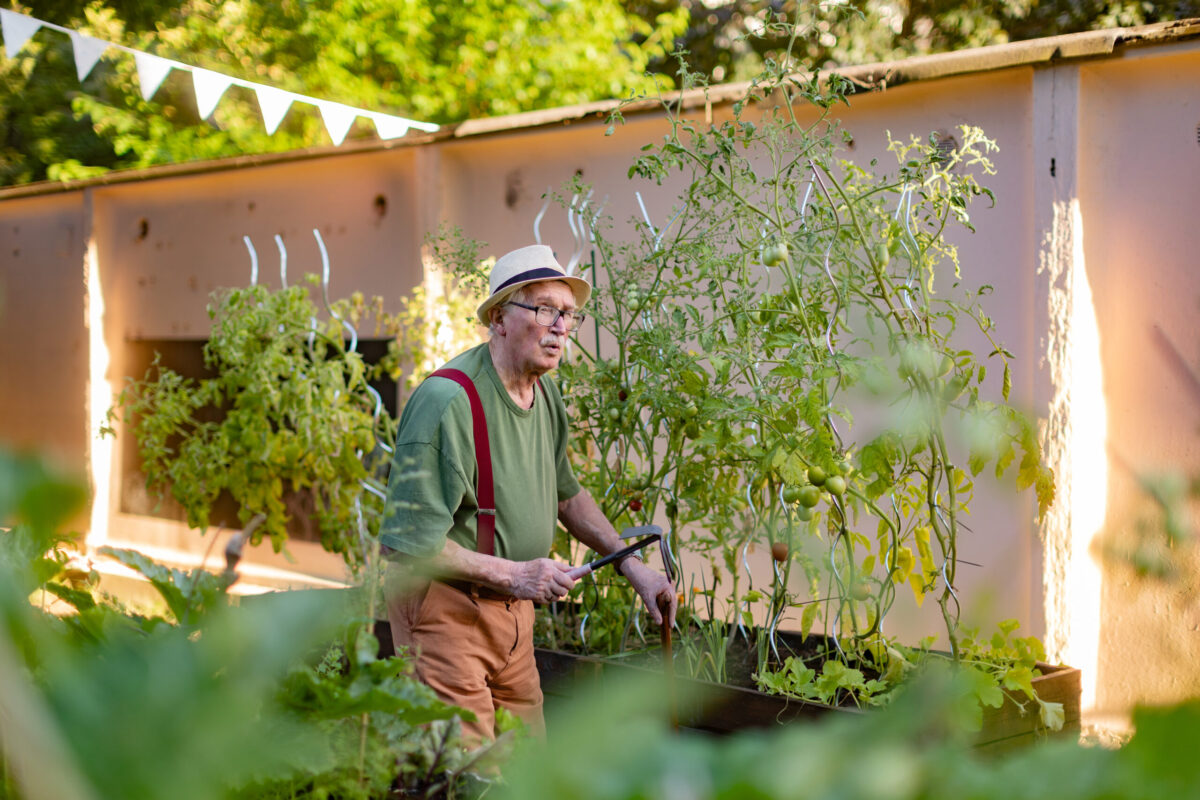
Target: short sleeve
423	490
568	485
428	485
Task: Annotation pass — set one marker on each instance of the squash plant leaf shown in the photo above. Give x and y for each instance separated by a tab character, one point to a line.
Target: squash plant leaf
1051	714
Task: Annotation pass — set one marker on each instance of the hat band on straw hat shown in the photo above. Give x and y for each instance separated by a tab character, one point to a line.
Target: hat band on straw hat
541	273
532	264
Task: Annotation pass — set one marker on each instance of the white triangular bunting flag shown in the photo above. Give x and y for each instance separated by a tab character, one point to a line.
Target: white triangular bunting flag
87	52
17	30
338	119
274	104
209	88
390	127
151	71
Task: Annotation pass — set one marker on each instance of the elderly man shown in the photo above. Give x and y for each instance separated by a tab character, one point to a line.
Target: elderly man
490	422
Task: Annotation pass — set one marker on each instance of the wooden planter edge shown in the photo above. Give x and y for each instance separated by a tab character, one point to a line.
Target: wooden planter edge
721	708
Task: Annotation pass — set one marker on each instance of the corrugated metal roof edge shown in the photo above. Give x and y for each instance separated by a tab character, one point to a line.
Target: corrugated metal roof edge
1073	46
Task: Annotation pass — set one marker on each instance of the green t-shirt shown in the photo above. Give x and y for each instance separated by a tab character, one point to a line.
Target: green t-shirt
431	489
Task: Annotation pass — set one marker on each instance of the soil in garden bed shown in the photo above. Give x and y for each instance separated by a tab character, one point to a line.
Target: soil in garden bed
738	663
734	704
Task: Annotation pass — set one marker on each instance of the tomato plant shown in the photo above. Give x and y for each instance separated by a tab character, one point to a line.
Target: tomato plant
288	408
791	288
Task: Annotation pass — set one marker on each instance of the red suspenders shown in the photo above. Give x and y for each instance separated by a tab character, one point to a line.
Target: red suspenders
485	536
484	493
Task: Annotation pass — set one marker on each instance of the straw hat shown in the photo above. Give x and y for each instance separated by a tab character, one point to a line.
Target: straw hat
531	264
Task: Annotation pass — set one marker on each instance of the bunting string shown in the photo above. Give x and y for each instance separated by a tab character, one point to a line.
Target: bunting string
209	85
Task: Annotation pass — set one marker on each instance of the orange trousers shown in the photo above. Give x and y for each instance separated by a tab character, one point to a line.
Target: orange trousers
473	651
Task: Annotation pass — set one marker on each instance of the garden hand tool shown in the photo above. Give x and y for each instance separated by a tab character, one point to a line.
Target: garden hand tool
664	608
653	534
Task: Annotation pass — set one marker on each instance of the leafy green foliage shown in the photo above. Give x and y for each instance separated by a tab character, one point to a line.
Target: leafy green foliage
367	685
105	704
383	729
34	499
288	409
444	62
429	60
185	593
734	39
914	748
790	289
107	713
834	682
991	672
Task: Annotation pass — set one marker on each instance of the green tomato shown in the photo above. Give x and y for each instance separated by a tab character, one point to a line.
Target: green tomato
836	485
690	410
882	256
791	494
817	476
614	413
775	253
804	513
809	496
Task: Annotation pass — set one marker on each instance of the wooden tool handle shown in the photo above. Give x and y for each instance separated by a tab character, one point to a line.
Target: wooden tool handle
664	608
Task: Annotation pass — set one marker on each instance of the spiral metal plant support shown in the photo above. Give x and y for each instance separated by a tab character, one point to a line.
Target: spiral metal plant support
326	268
253	260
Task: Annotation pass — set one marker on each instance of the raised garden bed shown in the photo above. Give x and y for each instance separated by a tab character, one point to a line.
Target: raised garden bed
722	708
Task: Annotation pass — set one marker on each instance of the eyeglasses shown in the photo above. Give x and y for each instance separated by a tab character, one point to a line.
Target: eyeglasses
546	316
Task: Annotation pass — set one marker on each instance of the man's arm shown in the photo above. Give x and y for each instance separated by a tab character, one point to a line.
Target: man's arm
541	580
584	520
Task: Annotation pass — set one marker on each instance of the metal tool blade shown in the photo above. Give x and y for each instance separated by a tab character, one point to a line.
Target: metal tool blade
641	530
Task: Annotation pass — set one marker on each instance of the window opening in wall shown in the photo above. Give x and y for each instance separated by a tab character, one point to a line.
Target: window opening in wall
186	357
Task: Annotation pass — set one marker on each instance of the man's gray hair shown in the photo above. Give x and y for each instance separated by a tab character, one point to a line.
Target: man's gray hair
521	295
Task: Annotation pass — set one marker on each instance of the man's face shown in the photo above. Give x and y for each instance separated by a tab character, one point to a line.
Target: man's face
534	347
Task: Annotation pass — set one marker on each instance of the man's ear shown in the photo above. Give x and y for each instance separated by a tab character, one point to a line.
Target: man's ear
496	318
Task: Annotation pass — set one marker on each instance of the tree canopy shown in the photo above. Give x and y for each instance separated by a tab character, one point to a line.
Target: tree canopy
443	61
432	60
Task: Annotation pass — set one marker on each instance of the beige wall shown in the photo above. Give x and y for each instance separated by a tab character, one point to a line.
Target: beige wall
1122	132
1140	191
166	245
43	343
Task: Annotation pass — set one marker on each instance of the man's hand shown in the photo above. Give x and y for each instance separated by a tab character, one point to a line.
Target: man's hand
585	521
542	580
653	587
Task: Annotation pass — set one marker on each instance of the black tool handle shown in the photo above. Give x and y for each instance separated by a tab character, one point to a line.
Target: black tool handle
592	566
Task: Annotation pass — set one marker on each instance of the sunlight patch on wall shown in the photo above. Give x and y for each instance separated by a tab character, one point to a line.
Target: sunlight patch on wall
1075	445
99	399
1087	442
